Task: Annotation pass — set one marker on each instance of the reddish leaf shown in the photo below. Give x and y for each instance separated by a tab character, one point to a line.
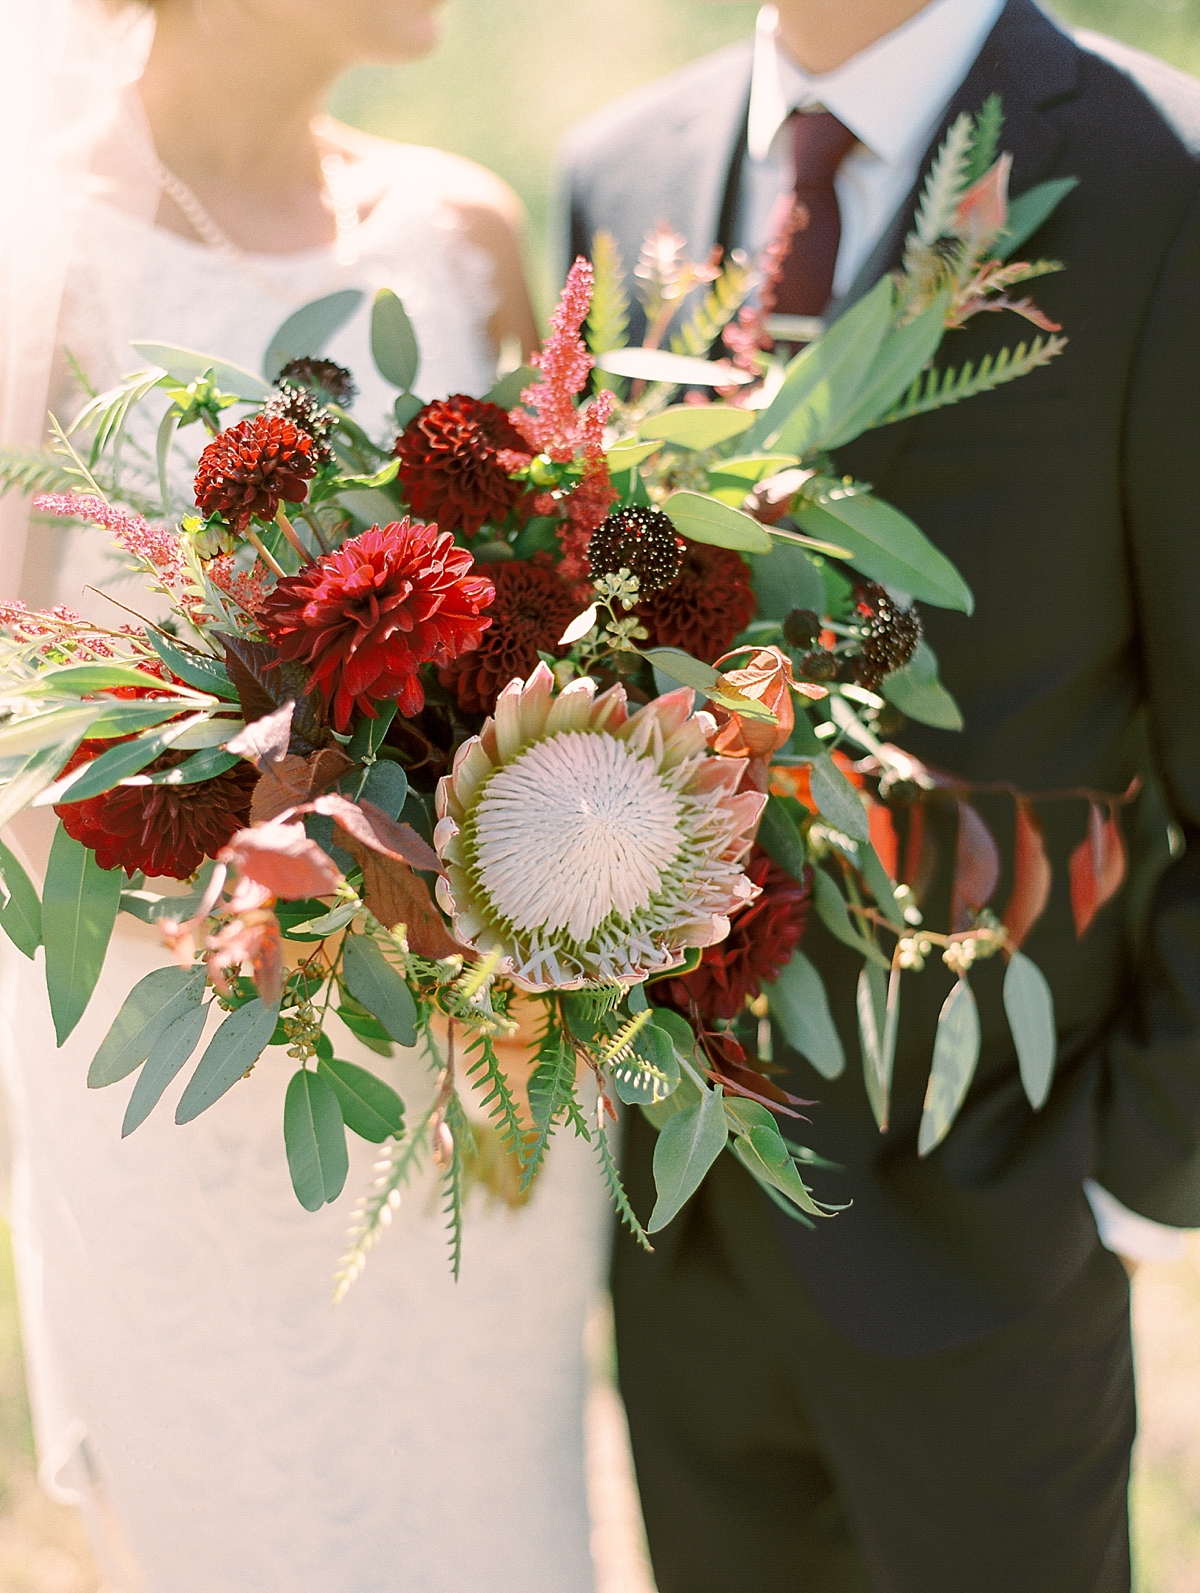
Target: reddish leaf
884	838
1097	867
1031	875
253	937
282	859
295	780
976	868
266	740
398	896
263	682
372	827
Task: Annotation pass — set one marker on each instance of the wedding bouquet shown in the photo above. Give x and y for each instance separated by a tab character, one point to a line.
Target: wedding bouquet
420	726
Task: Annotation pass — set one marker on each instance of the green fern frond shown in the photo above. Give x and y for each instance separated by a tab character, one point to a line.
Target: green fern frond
34	470
715	311
985	139
616	1188
453	1178
551	1088
608	319
936	389
72	464
945	184
617	1049
108	413
499	1103
374	1211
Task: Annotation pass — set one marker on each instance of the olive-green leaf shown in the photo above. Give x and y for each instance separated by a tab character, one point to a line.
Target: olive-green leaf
887	546
687	1147
681	666
153	1005
764	1153
900	359
918	693
1030	1008
232	1051
834	914
58	727
188	365
21	914
118	763
371	979
306	332
168	1055
197	669
878	883
702	519
651	1072
1029	210
33	776
697	426
394	345
955	1054
781	840
371	1108
80	902
837	800
315	1137
800	1007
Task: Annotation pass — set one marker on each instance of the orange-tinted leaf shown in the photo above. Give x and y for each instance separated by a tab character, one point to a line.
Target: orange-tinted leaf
1031	875
398	896
1097	867
976	868
295	780
372	827
766	679
884	838
282	859
266	740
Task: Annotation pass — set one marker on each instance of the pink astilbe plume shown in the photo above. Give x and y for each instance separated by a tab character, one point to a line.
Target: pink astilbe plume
60	628
565	364
153	544
248	590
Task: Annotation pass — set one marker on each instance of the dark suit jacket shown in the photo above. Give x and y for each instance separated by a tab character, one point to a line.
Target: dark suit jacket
1071	503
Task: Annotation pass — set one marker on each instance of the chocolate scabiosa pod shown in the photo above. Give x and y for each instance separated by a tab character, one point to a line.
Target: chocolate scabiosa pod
326	378
245	471
306	413
642	541
365	618
586	844
455	459
890	634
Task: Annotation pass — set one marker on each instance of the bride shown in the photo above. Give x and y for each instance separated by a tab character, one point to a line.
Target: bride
224	1428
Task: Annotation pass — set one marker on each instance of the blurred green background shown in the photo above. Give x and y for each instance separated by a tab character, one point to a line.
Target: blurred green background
510	76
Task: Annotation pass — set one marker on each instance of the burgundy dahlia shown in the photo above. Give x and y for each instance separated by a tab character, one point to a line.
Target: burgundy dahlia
245	471
452	463
760	943
160	829
531	610
709	603
365	618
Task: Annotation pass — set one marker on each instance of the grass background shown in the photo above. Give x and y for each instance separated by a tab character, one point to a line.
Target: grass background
507	80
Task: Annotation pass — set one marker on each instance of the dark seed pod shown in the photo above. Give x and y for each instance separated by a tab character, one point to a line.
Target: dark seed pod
327	379
642	541
890	635
818	666
801	628
299	406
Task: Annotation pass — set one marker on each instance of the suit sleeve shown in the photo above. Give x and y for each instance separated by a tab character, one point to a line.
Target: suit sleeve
1149	1115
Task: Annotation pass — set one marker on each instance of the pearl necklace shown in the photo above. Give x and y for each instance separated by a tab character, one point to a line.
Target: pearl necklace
341	202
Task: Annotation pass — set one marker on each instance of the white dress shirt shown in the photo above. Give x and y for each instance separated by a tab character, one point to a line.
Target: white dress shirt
891	96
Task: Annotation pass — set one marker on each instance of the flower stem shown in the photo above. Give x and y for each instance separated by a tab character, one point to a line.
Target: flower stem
268	559
289	531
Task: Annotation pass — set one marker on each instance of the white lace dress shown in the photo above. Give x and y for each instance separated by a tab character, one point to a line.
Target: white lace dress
227	1430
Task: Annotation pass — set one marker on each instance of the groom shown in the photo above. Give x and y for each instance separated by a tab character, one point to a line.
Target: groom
933	1392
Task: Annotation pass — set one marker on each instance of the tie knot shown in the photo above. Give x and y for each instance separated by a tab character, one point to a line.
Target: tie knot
821	144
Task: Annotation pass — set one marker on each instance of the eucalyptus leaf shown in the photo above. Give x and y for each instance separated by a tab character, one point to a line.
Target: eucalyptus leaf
394	345
1028	211
232	1051
58	727
169	1054
21	914
1029	1005
900	359
781	840
131	718
837	800
955	1054
682	667
789	580
153	1006
80	901
651	1072
878	883
687	1147
833	913
200	670
800	1007
628	453
205	765
110	768
371	1108
371	979
886	546
918	693
308	330
751	468
507	392
719	525
764	1152
315	1137
679	370
188	365
878	1007
697	426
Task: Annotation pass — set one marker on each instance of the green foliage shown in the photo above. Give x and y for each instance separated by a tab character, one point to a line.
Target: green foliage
370	1107
878	1003
107	415
1029	210
780	839
499	1103
80	901
608	318
616	1188
985	139
393	342
716	309
955	1053
34	470
899	361
170	1051
315	1138
837	800
188	365
21	913
800	1006
696	426
306	332
373	981
701	519
453	1179
885	545
937	388
945	183
153	1005
374	1211
918	693
1029	1006
833	913
551	1092
688	1145
232	1052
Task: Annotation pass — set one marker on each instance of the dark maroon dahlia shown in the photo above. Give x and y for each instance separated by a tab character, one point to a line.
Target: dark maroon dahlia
306	413
642	541
245	471
760	943
890	635
161	830
365	618
455	458
327	379
710	602
532	609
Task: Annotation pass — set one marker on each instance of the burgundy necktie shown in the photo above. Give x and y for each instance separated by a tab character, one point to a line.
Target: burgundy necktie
821	143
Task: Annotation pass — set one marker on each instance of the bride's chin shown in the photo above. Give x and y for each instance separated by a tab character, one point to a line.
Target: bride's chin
401	30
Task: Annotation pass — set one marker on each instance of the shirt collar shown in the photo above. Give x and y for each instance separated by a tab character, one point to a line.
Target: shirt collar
890	95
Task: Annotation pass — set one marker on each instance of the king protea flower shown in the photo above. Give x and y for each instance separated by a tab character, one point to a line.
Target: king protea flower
589	845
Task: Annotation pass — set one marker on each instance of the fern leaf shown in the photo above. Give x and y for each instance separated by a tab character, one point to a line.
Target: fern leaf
985	140
499	1102
715	311
937	388
608	319
616	1188
945	184
551	1088
374	1211
34	470
453	1178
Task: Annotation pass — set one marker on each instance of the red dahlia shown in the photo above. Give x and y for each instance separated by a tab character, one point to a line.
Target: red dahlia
245	471
364	619
452	464
531	610
159	829
709	603
760	943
